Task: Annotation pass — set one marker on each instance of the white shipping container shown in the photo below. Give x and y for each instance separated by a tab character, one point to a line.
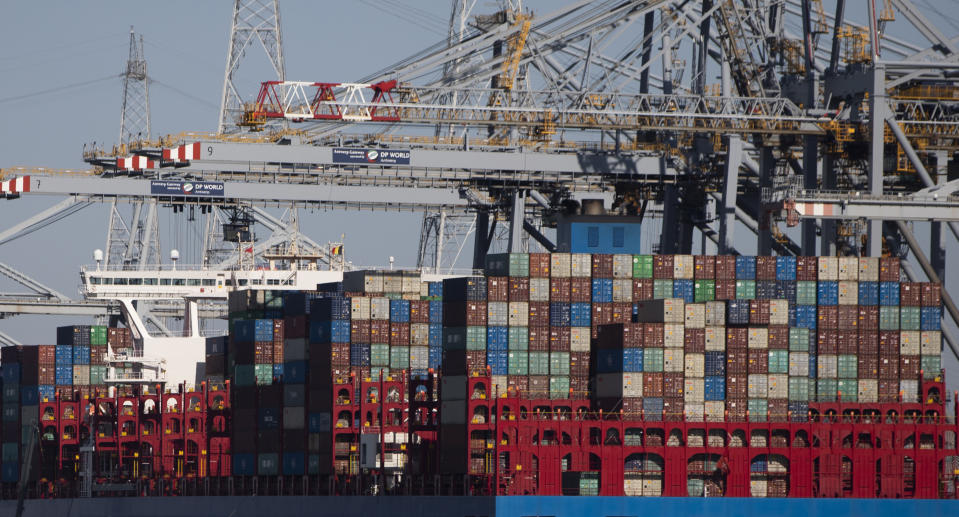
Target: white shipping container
683	266
758	385
674	336
849	268
758	337
579	339
539	289
497	314
715	410
909	342
632	384
559	265
776	465
581	265
757	486
868	269
623	290
828	268
419	357
868	390
848	292
424	289
695	365
930	342
694	412
674	310
694	390
910	391
623	266
419	334
695	315
411	284
295	349
673	360
379	308
778	312
393	282
518	314
799	364
778	386
500	384
715	314
715	339
360	308
827	366
632	486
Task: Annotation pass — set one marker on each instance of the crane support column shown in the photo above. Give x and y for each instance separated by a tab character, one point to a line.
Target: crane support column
827	243
877	111
481	239
767	164
937	239
517	216
727	211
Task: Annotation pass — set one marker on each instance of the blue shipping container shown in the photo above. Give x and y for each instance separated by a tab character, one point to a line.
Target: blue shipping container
766	290
278	371
46	391
715	363
602	290
559	315
653	408
889	293
436	312
806	316
81	355
244	331
11	373
330	308
436	334
436	356
64	354
800	411
263	330
580	314
268	418
64	374
244	464
295	372
10	472
827	292
930	318
435	289
633	360
684	288
318	422
359	355
745	268
498	361
786	268
737	312
786	290
400	311
29	396
294	463
609	360
868	293
337	331
812	364
715	387
497	338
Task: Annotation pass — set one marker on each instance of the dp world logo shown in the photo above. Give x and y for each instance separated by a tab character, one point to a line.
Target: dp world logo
372	155
187	188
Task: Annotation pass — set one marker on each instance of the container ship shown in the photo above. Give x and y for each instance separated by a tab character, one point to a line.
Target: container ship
647	381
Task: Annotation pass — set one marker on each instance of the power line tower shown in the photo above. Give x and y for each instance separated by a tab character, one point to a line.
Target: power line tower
135	115
254	21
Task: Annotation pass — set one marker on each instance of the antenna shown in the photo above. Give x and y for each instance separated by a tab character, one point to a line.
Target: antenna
135	116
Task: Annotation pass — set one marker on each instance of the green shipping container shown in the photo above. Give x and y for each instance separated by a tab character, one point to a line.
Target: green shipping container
589	483
848	367
268	464
379	355
909	318
519	338
826	390
662	288
476	338
98	335
848	389
558	387
931	366
519	264
376	371
539	363
695	487
11	452
518	363
779	361
652	359
806	292
263	374
704	291
97	374
798	389
745	289
399	358
798	339
758	408
642	266
559	363
889	317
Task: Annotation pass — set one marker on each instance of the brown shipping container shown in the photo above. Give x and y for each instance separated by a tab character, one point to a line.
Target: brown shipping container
778	337
559	290
47	355
622	312
888	342
910	294
379	331
578	364
807	268
888	390
296	327
662	266
704	267
868	317
279	330
737	362
695	340
539	265
399	334
759	312
518	289
653	336
602	265
889	367
828	317
909	367
48	374
827	341
518	383
360	331
642	289
602	314
736	409
539	339
725	289
475	314
633	335
758	360
559	339
653	384
278	353
476	360
580	387
674	385
931	295
632	407
538	314
778	410
765	267
263	352
419	311
847	342
725	267
580	290
497	289
737	338
538	386
868	366
737	386
673	410
868	342
889	269
848	317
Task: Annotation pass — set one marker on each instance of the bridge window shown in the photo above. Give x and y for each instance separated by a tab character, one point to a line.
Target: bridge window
149	281
242	281
209	282
120	281
193	282
166	281
272	281
136	281
179	281
94	280
256	281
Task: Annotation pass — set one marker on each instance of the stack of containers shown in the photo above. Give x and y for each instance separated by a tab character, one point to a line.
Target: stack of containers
46	371
20	413
465	327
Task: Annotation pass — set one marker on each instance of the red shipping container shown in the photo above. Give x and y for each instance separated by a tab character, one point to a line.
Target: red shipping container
539	339
888	391
518	289
559	289
848	317
653	384
909	367
765	268
539	265
759	312
662	266
419	311
868	317
602	265
889	269
360	331
869	342
847	342
931	295
497	289
778	410
868	366
580	290
910	294
538	314
778	337
559	339
737	362
694	340
622	312
705	267
828	317
888	342
379	331
725	289
758	360
737	338
674	385
399	334
807	268
296	327
827	341
653	336
642	289
725	267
